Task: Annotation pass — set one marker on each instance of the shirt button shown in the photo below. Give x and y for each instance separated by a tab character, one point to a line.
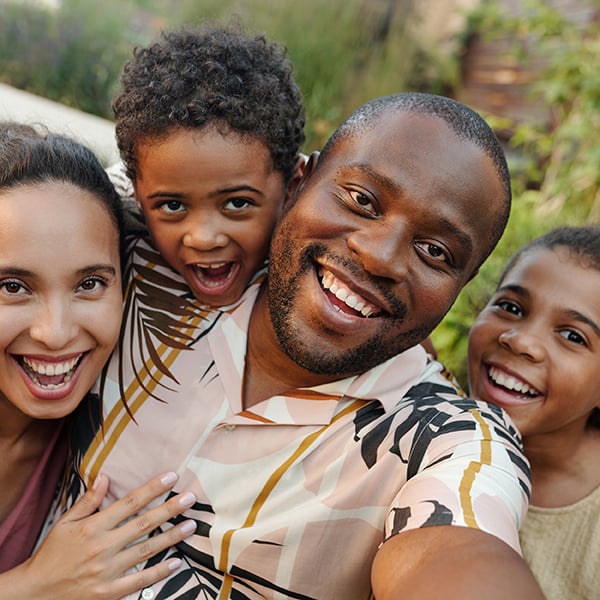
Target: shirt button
229	427
147	594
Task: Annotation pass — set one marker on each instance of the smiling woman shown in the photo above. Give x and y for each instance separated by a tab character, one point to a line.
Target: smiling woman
60	314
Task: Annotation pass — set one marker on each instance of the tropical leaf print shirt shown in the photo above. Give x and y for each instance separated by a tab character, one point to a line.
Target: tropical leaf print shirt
294	495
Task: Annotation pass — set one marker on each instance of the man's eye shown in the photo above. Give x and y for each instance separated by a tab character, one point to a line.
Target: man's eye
362	200
433	251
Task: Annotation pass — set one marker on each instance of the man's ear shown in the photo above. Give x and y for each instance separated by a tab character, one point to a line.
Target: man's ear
305	167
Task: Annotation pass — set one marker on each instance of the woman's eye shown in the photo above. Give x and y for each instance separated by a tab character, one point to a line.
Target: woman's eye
171	206
238	203
92	284
12	288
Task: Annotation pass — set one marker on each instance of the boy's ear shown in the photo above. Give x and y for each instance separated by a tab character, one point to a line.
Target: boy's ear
135	195
305	166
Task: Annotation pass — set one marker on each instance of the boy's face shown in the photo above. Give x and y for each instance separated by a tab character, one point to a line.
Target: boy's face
535	348
379	241
211	202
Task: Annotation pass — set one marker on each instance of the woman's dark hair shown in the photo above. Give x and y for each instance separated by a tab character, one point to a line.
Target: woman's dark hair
30	156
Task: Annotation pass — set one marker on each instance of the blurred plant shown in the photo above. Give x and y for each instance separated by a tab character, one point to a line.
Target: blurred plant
555	165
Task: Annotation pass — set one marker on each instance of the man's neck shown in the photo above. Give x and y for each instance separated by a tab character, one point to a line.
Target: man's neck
269	371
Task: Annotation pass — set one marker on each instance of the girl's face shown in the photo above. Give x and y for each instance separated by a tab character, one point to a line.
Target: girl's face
535	348
60	296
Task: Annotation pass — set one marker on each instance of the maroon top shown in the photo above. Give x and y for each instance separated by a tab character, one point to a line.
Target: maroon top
20	530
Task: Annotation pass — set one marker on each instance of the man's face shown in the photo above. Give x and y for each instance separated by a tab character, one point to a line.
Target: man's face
380	240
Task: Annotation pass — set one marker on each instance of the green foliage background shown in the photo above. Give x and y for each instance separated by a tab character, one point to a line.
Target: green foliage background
345	52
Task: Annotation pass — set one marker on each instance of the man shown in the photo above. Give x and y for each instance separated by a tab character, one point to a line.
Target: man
328	455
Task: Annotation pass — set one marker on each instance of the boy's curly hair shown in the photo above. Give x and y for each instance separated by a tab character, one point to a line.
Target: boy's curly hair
213	74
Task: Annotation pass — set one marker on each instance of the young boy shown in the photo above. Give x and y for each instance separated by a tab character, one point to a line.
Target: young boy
209	124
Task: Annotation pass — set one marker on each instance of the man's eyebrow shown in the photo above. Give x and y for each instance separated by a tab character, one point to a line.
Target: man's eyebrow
392	187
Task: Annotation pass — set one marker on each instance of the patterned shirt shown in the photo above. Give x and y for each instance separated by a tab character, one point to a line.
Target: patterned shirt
295	494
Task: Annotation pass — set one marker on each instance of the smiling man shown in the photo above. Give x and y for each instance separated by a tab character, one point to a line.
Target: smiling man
330	456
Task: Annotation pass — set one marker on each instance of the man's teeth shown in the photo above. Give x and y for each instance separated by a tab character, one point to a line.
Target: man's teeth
511	383
347	296
43	368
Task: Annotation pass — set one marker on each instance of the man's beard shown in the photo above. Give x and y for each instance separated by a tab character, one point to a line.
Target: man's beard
284	295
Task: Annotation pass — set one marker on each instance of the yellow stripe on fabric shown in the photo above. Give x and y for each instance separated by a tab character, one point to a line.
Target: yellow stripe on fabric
226	587
119	411
274	479
473	469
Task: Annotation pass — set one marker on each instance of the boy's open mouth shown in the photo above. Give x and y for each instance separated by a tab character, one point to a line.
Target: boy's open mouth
214	275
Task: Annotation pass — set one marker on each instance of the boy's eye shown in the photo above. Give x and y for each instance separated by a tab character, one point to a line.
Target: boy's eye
509	307
172	206
238	203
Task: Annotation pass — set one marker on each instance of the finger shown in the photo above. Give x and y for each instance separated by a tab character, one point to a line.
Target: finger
137	500
145	549
89	502
146	577
143	524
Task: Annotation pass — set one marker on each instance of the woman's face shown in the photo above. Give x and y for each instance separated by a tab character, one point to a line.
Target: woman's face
60	296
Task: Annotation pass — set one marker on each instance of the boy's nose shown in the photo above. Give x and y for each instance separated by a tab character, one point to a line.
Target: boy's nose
205	234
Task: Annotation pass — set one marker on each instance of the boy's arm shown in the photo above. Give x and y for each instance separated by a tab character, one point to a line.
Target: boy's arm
452	563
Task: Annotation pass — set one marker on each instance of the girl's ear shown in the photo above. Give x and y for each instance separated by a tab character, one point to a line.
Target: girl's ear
305	166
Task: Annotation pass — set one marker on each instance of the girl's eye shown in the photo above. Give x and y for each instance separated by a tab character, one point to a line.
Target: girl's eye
573	336
13	287
172	206
92	284
509	307
238	204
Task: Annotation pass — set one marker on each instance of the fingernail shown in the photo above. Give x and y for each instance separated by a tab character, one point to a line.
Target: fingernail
187	499
174	564
188	527
97	481
169	478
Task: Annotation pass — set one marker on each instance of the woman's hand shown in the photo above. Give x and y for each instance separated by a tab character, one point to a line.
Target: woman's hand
87	554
